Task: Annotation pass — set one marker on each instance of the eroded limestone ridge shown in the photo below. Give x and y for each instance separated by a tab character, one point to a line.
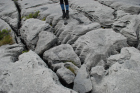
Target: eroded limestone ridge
96	52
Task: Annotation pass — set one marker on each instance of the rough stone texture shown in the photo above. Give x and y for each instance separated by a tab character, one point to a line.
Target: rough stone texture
32	6
129	26
95	11
46	41
121	21
69	65
69	34
123	74
134	2
65	71
9	13
66	75
61	53
97	45
30	74
30	31
49	10
97	74
10	53
127	7
4	25
82	82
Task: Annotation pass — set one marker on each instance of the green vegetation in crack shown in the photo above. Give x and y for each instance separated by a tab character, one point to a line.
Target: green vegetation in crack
25	51
44	19
31	15
71	69
15	0
50	24
5	37
70	61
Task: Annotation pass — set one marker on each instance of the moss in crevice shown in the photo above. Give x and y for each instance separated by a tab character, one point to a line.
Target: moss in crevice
5	37
31	15
44	19
25	51
70	61
71	69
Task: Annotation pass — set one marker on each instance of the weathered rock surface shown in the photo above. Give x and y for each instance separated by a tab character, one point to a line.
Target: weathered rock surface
4	25
82	82
30	74
98	44
88	57
134	2
48	9
9	13
66	72
46	41
123	74
97	75
127	7
95	11
66	75
30	31
32	6
10	53
129	26
62	53
69	34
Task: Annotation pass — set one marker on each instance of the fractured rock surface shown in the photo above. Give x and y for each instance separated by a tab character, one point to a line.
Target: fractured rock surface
123	74
9	13
82	82
127	7
95	11
91	54
129	26
46	41
98	44
30	74
30	31
62	53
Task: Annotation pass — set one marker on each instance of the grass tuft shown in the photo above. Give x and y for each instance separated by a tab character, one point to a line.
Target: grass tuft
31	15
5	37
44	19
25	51
71	69
69	61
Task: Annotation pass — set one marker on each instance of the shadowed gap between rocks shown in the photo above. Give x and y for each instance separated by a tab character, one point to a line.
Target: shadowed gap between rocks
19	17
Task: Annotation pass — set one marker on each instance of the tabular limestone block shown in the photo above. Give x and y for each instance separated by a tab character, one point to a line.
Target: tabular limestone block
62	53
97	45
30	31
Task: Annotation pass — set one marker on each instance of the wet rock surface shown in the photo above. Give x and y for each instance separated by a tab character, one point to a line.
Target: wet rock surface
96	52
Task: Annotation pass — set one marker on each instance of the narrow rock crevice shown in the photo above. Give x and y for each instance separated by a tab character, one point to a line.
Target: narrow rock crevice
137	34
19	14
35	6
115	14
70	86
